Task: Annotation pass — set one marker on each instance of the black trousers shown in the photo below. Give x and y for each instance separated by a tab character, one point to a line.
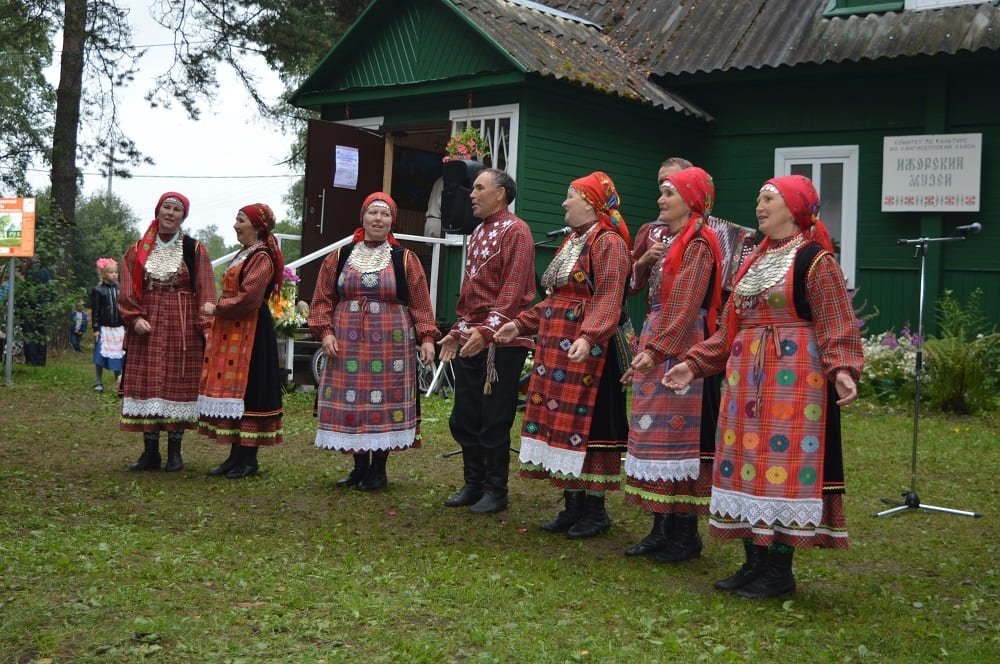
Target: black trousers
484	420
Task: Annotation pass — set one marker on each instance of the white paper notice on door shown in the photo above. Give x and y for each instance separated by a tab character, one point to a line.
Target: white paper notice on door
345	170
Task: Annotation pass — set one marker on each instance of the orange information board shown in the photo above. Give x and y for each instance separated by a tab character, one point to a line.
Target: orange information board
17	227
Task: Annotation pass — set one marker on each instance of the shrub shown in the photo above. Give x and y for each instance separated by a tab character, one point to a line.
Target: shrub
890	364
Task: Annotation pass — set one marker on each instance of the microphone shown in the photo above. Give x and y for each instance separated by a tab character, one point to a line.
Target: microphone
970	229
566	230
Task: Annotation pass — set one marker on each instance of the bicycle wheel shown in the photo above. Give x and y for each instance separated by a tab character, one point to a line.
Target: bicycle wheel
318	365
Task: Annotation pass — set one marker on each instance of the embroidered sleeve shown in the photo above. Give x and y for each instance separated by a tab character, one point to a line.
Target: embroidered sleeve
516	280
257	274
204	285
129	306
325	298
611	265
681	307
709	357
837	335
420	299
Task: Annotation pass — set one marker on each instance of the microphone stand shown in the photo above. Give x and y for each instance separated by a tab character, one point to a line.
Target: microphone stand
911	501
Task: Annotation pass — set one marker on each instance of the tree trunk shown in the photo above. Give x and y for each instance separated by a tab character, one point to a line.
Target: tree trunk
64	138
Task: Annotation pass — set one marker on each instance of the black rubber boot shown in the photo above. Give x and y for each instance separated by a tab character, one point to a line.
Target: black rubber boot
246	464
659	535
576	504
594	521
150	457
777	578
474	472
686	543
227	465
756	560
174	460
375	478
494	497
361	464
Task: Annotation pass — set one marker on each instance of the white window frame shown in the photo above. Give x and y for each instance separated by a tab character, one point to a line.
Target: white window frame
373	123
847	155
920	5
484	114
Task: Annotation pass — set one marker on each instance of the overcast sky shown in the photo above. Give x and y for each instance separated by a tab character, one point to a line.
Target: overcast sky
193	156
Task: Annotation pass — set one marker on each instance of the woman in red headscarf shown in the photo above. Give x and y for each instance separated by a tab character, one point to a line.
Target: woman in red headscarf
239	401
371	309
166	277
668	468
794	356
575	427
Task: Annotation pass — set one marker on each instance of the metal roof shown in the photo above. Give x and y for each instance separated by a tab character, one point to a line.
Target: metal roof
690	36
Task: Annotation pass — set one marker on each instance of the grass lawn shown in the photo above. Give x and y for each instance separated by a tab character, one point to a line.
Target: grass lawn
101	565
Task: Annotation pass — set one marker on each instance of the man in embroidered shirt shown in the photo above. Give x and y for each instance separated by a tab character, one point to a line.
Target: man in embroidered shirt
499	283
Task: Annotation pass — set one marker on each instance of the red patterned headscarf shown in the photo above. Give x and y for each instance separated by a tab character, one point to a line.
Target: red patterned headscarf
148	240
600	193
695	187
261	216
384	198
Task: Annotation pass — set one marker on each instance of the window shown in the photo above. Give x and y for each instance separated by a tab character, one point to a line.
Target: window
498	125
834	172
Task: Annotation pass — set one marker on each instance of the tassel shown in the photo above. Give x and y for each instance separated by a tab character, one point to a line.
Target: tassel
491	370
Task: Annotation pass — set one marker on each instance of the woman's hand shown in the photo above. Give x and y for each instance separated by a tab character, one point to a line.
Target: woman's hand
643	362
579	351
653	254
506	333
330	346
427	352
208	308
449	348
846	388
678	378
142	326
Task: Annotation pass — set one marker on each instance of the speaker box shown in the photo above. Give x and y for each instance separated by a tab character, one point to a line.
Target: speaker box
456	208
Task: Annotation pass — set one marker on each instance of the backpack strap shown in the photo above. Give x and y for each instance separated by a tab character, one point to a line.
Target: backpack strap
398	267
805	258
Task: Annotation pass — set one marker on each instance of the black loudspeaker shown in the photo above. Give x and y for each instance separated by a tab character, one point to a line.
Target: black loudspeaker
456	208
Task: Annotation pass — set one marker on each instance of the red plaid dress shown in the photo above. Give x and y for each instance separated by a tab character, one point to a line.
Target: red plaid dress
778	468
557	440
160	382
368	395
666	468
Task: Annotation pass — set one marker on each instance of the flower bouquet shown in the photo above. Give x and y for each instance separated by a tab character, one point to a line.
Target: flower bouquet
288	317
467	144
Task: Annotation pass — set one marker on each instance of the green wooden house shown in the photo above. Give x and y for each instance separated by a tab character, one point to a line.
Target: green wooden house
746	88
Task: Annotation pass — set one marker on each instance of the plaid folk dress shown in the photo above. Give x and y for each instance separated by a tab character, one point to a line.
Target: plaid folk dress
575	426
778	474
160	381
668	467
368	395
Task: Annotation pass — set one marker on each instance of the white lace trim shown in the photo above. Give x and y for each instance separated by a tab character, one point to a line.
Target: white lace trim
662	471
220	407
365	442
770	532
762	509
174	410
554	460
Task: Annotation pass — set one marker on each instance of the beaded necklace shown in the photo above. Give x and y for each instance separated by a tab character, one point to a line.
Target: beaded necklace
367	260
557	273
244	253
767	271
165	259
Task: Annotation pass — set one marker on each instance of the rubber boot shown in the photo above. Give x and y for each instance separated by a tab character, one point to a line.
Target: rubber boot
150	458
595	520
686	543
246	464
474	472
777	578
756	560
174	460
227	465
361	464
494	497
659	535
575	505
375	478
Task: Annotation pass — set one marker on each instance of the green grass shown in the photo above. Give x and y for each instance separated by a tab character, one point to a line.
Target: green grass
101	565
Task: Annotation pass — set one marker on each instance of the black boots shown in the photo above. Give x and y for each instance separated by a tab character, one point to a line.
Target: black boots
227	465
474	472
756	561
575	502
494	498
594	521
685	543
150	458
361	464
777	578
246	463
661	533
375	478
174	460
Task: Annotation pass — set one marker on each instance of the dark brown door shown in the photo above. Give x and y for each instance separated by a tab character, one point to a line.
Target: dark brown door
332	210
